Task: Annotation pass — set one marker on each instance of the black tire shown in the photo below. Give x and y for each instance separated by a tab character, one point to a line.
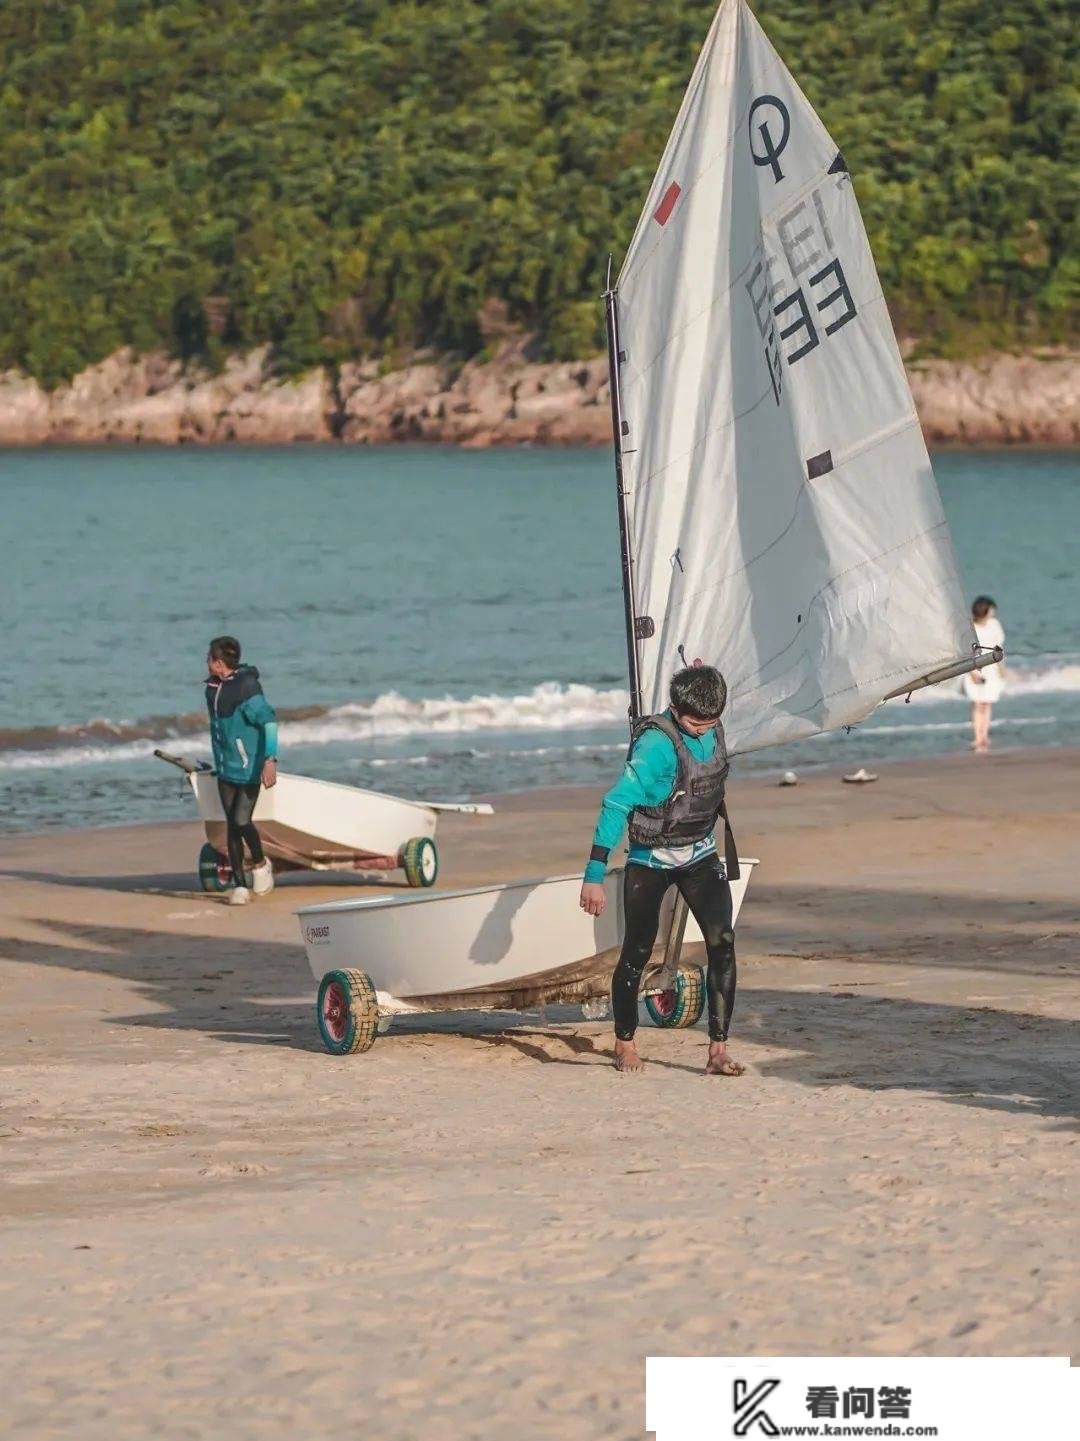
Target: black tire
215	873
681	1006
420	862
347	1012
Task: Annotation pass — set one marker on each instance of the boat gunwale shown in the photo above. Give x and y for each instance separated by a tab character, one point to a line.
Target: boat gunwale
342	786
378	902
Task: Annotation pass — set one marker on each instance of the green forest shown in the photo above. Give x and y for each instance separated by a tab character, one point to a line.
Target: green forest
348	178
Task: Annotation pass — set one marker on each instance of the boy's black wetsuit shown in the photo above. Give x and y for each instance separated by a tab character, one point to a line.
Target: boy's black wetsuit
243	733
705	889
238	803
671	794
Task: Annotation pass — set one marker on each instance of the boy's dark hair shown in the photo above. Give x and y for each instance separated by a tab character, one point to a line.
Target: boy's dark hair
981	607
699	691
226	648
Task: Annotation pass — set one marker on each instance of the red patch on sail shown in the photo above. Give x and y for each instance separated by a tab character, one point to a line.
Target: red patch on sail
667	205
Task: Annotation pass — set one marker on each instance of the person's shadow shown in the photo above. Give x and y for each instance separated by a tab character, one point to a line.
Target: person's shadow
230	987
251	992
184	885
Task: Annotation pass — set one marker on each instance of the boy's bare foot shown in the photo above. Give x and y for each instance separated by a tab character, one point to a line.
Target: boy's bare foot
720	1063
626	1056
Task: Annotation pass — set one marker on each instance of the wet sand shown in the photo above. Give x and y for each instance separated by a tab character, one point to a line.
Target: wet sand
478	1229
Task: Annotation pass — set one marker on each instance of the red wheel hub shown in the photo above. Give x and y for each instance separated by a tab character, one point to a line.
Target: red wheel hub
665	1002
224	870
335	1009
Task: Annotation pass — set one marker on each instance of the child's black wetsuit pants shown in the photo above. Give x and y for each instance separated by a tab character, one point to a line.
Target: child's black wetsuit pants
238	802
705	889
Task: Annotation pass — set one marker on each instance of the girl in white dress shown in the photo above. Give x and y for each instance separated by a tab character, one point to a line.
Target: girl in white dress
984	687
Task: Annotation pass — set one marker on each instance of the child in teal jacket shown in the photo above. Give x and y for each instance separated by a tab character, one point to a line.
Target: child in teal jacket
243	736
671	797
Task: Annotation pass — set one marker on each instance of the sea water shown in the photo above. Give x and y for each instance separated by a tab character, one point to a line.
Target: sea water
432	622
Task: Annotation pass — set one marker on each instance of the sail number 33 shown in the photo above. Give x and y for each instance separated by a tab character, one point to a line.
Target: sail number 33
792	311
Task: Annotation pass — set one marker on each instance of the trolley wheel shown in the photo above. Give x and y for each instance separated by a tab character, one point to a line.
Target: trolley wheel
347	1012
683	1004
215	873
420	861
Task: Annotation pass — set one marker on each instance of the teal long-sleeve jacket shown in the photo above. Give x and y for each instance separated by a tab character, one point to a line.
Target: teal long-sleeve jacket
243	726
648	778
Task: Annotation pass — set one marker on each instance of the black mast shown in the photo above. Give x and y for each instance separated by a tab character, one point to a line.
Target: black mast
673	946
611	304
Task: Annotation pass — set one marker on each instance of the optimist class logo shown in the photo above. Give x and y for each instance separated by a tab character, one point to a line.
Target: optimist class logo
771	149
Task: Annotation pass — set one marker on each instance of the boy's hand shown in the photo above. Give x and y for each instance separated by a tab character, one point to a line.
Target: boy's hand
269	773
593	899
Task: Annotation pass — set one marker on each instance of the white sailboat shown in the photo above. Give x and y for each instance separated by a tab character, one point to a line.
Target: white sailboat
315	825
779	518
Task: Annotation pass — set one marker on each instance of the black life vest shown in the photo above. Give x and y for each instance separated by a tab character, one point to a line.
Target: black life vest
697	799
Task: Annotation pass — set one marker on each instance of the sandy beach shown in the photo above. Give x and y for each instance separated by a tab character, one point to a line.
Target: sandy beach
478	1229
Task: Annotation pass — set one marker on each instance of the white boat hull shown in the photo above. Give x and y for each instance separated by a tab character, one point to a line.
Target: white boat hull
320	824
505	945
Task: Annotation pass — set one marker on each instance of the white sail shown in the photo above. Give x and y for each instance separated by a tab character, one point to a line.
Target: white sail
784	519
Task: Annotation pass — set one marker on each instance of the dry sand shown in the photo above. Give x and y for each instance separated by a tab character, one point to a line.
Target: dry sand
213	1229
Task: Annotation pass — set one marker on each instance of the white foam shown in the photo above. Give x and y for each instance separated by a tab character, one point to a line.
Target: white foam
1041	680
381	762
547	707
64	757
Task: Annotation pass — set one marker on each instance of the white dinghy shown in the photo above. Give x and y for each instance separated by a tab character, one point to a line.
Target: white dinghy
308	824
779	519
502	946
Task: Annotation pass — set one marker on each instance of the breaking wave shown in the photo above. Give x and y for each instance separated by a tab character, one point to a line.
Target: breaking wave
392	716
547	707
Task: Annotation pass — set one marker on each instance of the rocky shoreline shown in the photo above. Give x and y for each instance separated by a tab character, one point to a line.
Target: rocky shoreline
1001	399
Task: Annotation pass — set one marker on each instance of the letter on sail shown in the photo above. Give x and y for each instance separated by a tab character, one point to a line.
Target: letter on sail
784	519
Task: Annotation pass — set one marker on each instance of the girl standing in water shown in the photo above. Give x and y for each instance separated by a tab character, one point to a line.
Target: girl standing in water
984	687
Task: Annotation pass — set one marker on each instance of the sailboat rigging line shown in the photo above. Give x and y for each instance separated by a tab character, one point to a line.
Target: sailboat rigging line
611	307
715	584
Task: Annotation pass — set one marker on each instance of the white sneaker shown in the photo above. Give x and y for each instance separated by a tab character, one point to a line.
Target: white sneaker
239	896
262	879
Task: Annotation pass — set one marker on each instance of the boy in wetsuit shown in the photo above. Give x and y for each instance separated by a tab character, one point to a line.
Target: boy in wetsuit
243	734
671	794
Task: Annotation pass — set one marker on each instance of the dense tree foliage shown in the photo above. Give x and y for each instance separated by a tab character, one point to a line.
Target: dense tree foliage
344	177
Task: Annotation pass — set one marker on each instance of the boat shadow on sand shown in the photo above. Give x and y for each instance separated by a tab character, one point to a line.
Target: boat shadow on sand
177	885
243	991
